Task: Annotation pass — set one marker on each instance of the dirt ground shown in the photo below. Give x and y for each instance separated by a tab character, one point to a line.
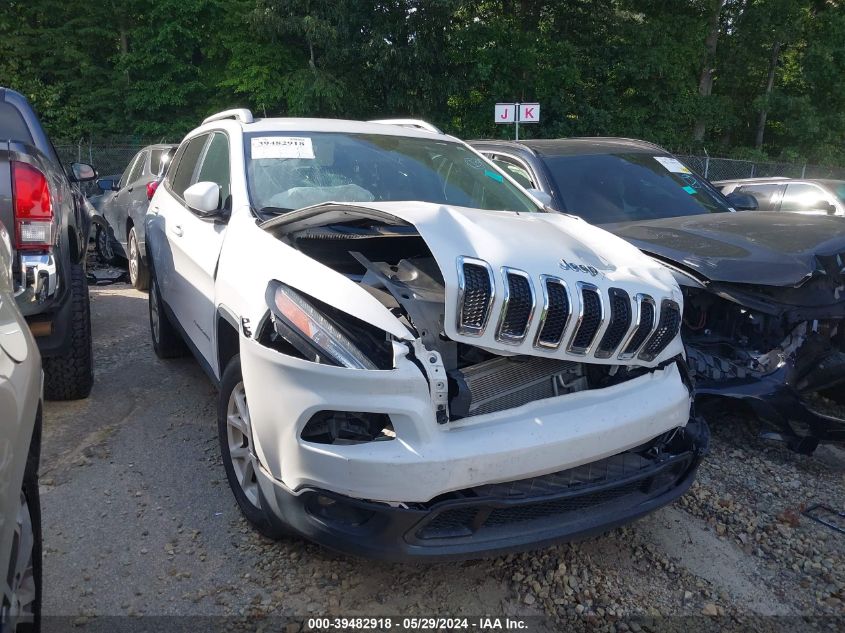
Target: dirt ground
139	520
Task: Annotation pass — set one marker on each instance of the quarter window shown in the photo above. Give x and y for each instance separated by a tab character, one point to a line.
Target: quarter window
803	197
515	170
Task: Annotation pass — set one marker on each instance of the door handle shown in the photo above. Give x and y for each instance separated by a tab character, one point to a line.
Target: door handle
177	230
130	189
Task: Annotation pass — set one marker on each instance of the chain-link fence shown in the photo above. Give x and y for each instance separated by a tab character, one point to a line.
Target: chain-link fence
729	169
107	158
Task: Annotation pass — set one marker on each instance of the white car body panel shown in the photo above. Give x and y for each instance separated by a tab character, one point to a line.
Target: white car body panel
227	267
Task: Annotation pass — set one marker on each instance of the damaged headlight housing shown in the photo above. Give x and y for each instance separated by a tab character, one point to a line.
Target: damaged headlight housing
299	322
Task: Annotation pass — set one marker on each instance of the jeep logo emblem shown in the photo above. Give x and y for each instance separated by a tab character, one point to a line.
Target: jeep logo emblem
578	268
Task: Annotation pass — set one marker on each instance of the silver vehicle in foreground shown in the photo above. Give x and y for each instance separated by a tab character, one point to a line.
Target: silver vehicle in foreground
21	387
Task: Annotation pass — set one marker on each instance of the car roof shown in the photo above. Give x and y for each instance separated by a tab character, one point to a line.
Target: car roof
579	145
776	180
337	125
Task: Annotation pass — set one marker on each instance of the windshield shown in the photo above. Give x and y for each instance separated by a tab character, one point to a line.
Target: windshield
839	191
294	170
607	188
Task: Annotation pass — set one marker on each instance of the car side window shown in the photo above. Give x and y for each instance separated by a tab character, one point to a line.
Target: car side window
129	168
803	197
138	168
767	196
215	166
515	169
187	165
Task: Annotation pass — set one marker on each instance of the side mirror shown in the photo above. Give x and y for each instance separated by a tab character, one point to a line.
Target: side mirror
743	201
106	184
544	198
82	172
827	207
204	198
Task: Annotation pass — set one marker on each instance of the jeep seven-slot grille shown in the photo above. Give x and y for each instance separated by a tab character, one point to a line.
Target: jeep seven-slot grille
557	314
476	298
589	321
604	325
518	307
645	326
667	329
620	321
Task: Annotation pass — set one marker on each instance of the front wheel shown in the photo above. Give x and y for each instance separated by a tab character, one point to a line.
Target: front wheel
105	248
139	275
234	429
21	606
167	342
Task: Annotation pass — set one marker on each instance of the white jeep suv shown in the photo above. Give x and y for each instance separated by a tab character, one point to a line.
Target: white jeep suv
414	359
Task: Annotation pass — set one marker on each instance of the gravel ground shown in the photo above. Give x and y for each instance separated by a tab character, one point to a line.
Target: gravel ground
139	520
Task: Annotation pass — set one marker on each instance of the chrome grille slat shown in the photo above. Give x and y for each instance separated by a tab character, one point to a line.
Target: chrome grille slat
590	319
646	323
476	292
555	313
517	306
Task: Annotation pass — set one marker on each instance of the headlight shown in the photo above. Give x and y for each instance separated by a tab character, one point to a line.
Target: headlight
310	332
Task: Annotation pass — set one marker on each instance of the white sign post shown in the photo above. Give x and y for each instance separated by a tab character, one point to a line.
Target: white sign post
517	113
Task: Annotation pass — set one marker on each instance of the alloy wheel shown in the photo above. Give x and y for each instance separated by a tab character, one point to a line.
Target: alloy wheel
239	436
19	590
104	245
134	264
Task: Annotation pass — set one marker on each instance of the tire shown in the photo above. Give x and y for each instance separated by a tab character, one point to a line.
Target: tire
105	249
139	274
167	341
25	567
241	468
71	375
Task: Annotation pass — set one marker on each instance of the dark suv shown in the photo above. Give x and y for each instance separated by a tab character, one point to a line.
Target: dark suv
49	220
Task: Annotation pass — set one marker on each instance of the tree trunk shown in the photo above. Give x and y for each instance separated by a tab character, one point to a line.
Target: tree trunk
770	82
705	80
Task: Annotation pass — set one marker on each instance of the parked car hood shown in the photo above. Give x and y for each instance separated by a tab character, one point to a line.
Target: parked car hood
774	249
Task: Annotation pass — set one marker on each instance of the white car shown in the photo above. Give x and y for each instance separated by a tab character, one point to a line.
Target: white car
414	359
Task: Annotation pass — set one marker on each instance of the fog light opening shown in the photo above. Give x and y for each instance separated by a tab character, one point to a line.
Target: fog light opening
337	512
348	427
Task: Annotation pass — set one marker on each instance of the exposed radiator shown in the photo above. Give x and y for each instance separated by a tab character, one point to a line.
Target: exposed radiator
505	383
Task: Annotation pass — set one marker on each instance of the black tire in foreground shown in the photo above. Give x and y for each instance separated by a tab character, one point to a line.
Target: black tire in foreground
167	341
235	434
139	275
71	375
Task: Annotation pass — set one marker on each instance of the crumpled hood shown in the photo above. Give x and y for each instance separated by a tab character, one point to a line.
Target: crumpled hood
754	247
536	243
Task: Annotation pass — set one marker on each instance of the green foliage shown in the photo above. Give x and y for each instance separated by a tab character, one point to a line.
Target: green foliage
599	67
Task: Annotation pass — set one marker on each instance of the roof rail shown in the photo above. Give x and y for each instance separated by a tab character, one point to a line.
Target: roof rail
413	123
239	114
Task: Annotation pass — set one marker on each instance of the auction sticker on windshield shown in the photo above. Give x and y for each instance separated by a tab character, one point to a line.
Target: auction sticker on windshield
281	147
672	164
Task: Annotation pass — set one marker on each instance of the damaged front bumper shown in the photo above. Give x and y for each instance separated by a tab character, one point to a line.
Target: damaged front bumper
614	453
492	519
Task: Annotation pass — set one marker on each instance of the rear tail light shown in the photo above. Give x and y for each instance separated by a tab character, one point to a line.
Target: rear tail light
33	208
151	189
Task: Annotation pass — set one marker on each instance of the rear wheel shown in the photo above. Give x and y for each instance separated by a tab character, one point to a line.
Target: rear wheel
167	342
234	428
71	375
139	276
